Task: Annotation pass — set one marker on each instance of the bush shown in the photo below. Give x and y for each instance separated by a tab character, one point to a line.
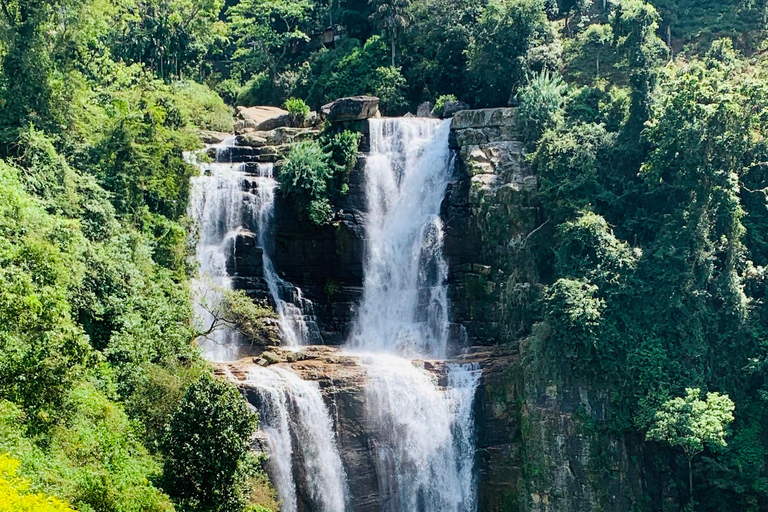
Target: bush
441	101
203	106
257	91
305	177
298	109
389	85
541	102
316	173
342	148
207	448
15	495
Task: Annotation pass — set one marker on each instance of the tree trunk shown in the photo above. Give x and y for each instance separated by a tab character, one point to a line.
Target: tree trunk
392	45
690	485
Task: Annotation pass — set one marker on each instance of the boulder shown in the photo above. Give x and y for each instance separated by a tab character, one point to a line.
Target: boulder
212	137
425	109
355	108
255	116
270	357
452	107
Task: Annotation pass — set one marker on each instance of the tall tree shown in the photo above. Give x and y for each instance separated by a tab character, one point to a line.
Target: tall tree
394	17
266	31
207	448
497	52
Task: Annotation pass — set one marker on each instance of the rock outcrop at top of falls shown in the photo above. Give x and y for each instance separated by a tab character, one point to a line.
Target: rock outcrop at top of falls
355	108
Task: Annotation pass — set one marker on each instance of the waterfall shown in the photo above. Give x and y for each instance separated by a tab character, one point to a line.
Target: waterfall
424	444
226	200
405	307
293	319
423	435
219	207
301	440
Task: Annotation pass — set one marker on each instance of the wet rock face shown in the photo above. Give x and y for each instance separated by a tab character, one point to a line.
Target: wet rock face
327	262
490	209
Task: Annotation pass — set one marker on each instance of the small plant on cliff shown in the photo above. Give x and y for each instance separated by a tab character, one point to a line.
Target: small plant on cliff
207	448
316	172
441	101
305	177
298	109
342	148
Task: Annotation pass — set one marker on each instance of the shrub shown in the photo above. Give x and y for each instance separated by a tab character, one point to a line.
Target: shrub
441	101
541	102
207	448
15	496
298	109
389	85
342	148
305	177
257	91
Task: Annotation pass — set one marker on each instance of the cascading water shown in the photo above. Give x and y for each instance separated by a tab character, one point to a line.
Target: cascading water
301	440
421	432
219	207
226	200
405	306
296	329
423	435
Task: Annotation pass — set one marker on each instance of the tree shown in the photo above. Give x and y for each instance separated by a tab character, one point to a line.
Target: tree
504	33
393	17
266	30
233	309
634	24
207	448
692	423
169	36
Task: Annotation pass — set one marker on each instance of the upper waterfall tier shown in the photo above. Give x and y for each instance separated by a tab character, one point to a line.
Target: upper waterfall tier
404	308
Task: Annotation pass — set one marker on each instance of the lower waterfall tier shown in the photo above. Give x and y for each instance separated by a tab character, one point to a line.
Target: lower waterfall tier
427	469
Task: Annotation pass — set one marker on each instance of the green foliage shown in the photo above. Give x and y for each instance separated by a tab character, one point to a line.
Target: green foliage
393	16
315	173
297	108
541	102
265	30
15	495
234	309
207	448
347	70
304	177
690	423
498	49
170	37
441	101
388	84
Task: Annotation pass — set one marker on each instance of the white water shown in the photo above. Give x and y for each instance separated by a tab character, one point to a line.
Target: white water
224	202
293	322
220	208
405	308
301	440
423	434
